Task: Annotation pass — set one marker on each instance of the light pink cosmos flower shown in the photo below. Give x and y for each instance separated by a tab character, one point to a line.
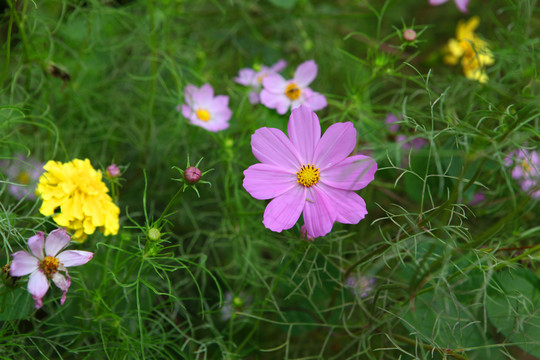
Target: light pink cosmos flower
254	79
204	109
309	173
44	266
461	4
526	169
23	174
281	94
393	126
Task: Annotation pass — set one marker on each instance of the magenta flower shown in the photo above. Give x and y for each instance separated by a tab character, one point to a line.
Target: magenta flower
309	173
206	110
393	126
526	169
44	266
461	4
254	79
113	171
280	94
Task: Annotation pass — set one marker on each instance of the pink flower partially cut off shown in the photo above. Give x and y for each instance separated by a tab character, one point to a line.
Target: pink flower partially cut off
309	174
461	4
526	170
254	79
204	109
281	94
46	261
392	124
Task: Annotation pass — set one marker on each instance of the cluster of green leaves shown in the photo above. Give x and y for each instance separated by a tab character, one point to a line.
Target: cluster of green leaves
102	80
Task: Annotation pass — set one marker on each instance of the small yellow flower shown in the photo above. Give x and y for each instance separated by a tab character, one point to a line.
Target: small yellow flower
77	190
470	50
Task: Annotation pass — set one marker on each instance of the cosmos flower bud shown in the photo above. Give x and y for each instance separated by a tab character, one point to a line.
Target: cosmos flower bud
113	171
192	175
154	234
409	34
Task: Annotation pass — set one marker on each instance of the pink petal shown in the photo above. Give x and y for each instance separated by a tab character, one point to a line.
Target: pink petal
263	181
189	93
280	65
353	173
36	244
275	101
204	95
253	97
350	207
245	77
316	101
186	111
38	286
437	2
462	5
221	116
319	213
275	83
283	212
335	145
305	73
56	241
63	283
220	101
23	264
74	257
304	131
271	146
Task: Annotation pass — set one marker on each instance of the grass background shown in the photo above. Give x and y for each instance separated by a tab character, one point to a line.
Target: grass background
102	79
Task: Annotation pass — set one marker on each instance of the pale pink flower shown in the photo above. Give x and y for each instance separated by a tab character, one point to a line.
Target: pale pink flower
253	79
360	285
46	261
526	170
461	4
23	175
281	94
204	109
309	174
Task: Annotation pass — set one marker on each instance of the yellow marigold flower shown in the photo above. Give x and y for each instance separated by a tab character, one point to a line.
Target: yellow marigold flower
77	190
468	48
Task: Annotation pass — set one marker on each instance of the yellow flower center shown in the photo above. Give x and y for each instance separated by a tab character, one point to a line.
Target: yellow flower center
203	114
526	166
292	91
23	178
260	78
49	265
308	175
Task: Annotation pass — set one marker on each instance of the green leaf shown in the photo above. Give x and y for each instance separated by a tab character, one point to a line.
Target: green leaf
445	323
513	307
16	304
286	4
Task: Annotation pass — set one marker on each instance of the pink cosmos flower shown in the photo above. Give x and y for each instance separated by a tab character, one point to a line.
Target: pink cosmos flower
309	173
254	79
280	94
461	4
44	266
23	174
393	127
204	109
526	169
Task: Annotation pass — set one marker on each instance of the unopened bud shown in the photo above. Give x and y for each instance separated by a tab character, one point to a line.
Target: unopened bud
192	175
409	34
113	171
154	234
